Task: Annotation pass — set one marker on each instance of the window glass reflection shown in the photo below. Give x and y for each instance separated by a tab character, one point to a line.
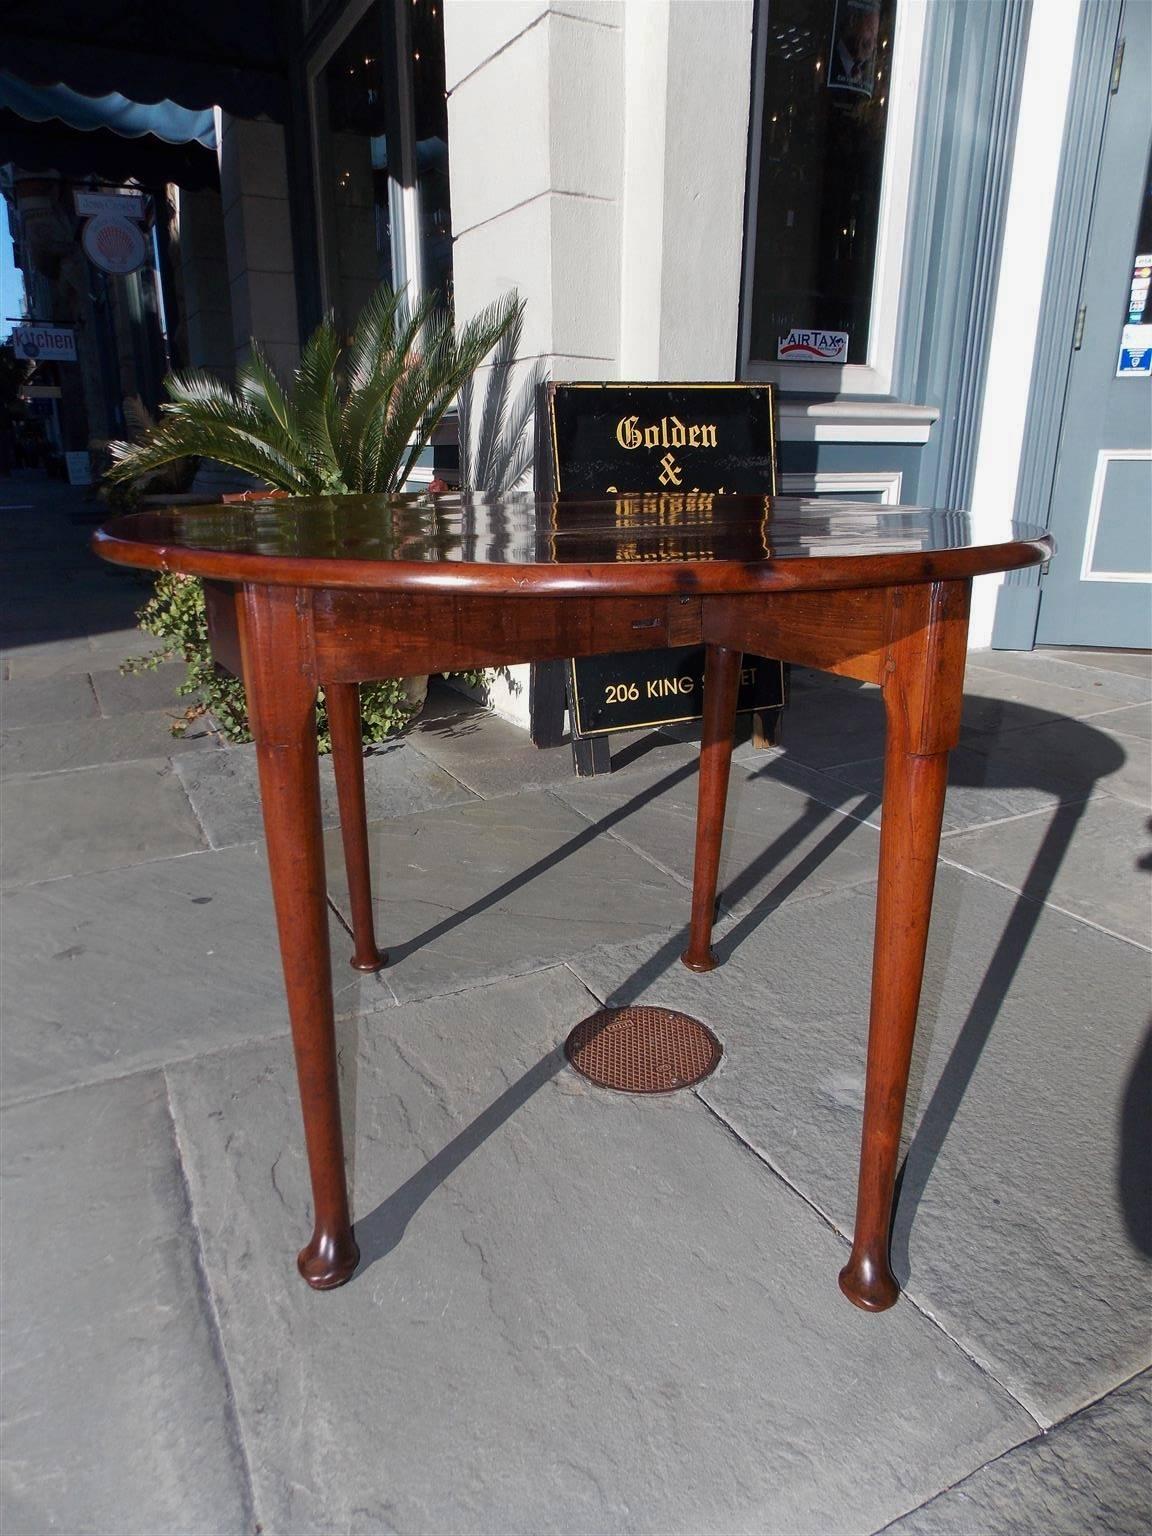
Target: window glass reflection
431	137
826	81
382	133
354	109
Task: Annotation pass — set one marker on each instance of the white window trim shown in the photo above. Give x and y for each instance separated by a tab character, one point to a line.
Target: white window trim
875	376
854	421
1104	459
833	482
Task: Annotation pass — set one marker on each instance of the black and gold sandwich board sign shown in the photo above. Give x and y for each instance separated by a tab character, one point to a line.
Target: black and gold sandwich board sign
671	444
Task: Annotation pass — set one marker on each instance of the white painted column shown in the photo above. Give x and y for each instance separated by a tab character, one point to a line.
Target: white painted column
1019	289
535	126
598	154
687	74
706	160
535	118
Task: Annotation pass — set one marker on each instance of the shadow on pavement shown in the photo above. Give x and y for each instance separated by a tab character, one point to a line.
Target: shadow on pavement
1087	756
52	587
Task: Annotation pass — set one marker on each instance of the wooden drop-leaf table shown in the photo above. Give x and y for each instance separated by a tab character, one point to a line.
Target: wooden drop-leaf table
325	594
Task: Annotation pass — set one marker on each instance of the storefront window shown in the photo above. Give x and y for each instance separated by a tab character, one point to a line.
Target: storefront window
430	106
382	157
818	166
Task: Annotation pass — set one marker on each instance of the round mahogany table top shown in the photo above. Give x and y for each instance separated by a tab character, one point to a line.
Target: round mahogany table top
636	543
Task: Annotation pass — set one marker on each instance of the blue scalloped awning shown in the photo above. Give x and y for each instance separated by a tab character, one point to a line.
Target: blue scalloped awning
164	120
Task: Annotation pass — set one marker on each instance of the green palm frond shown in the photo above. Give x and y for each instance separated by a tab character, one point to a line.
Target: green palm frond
384	315
177	440
496	441
496	401
383	359
354	419
317	402
257	382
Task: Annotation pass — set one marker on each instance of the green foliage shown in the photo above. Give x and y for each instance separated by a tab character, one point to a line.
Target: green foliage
175	614
496	440
355	419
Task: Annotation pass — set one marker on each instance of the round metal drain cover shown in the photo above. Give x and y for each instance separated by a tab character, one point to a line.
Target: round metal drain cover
643	1050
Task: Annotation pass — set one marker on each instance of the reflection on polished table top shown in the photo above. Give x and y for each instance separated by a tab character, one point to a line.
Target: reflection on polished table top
516	544
328	593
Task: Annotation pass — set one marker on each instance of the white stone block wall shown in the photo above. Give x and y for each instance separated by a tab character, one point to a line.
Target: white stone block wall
204	274
258	238
597	156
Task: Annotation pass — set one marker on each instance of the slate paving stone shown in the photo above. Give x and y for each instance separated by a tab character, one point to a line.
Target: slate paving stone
1090	1476
1023	1224
46	659
825	726
83	743
992	781
113	644
575	1312
92	819
108	974
1092	858
1088	754
1034	764
1005	701
122	693
1135	663
116	1410
107	646
39	702
224	788
1131	719
493	757
1100	674
777	767
469	893
779	843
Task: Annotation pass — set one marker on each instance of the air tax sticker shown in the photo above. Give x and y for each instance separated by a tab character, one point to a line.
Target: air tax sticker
800	346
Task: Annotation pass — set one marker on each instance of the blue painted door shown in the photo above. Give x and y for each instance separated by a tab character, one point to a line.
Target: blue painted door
1098	589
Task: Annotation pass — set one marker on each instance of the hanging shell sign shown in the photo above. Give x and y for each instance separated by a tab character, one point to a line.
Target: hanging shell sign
114	244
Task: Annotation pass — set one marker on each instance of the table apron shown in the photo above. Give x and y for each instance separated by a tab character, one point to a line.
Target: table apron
361	636
369	635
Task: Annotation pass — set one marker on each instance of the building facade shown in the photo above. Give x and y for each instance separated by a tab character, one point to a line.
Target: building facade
927	221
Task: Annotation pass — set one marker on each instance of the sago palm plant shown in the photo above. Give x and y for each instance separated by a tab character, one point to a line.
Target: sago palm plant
355	419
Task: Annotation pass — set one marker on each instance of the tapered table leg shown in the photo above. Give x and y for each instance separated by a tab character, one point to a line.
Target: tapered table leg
343	701
281	694
922	696
721	685
909	842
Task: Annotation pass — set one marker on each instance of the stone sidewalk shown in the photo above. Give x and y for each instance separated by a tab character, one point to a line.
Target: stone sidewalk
577	1312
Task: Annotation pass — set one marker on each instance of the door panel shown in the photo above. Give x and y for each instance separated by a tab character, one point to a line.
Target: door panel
1098	590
